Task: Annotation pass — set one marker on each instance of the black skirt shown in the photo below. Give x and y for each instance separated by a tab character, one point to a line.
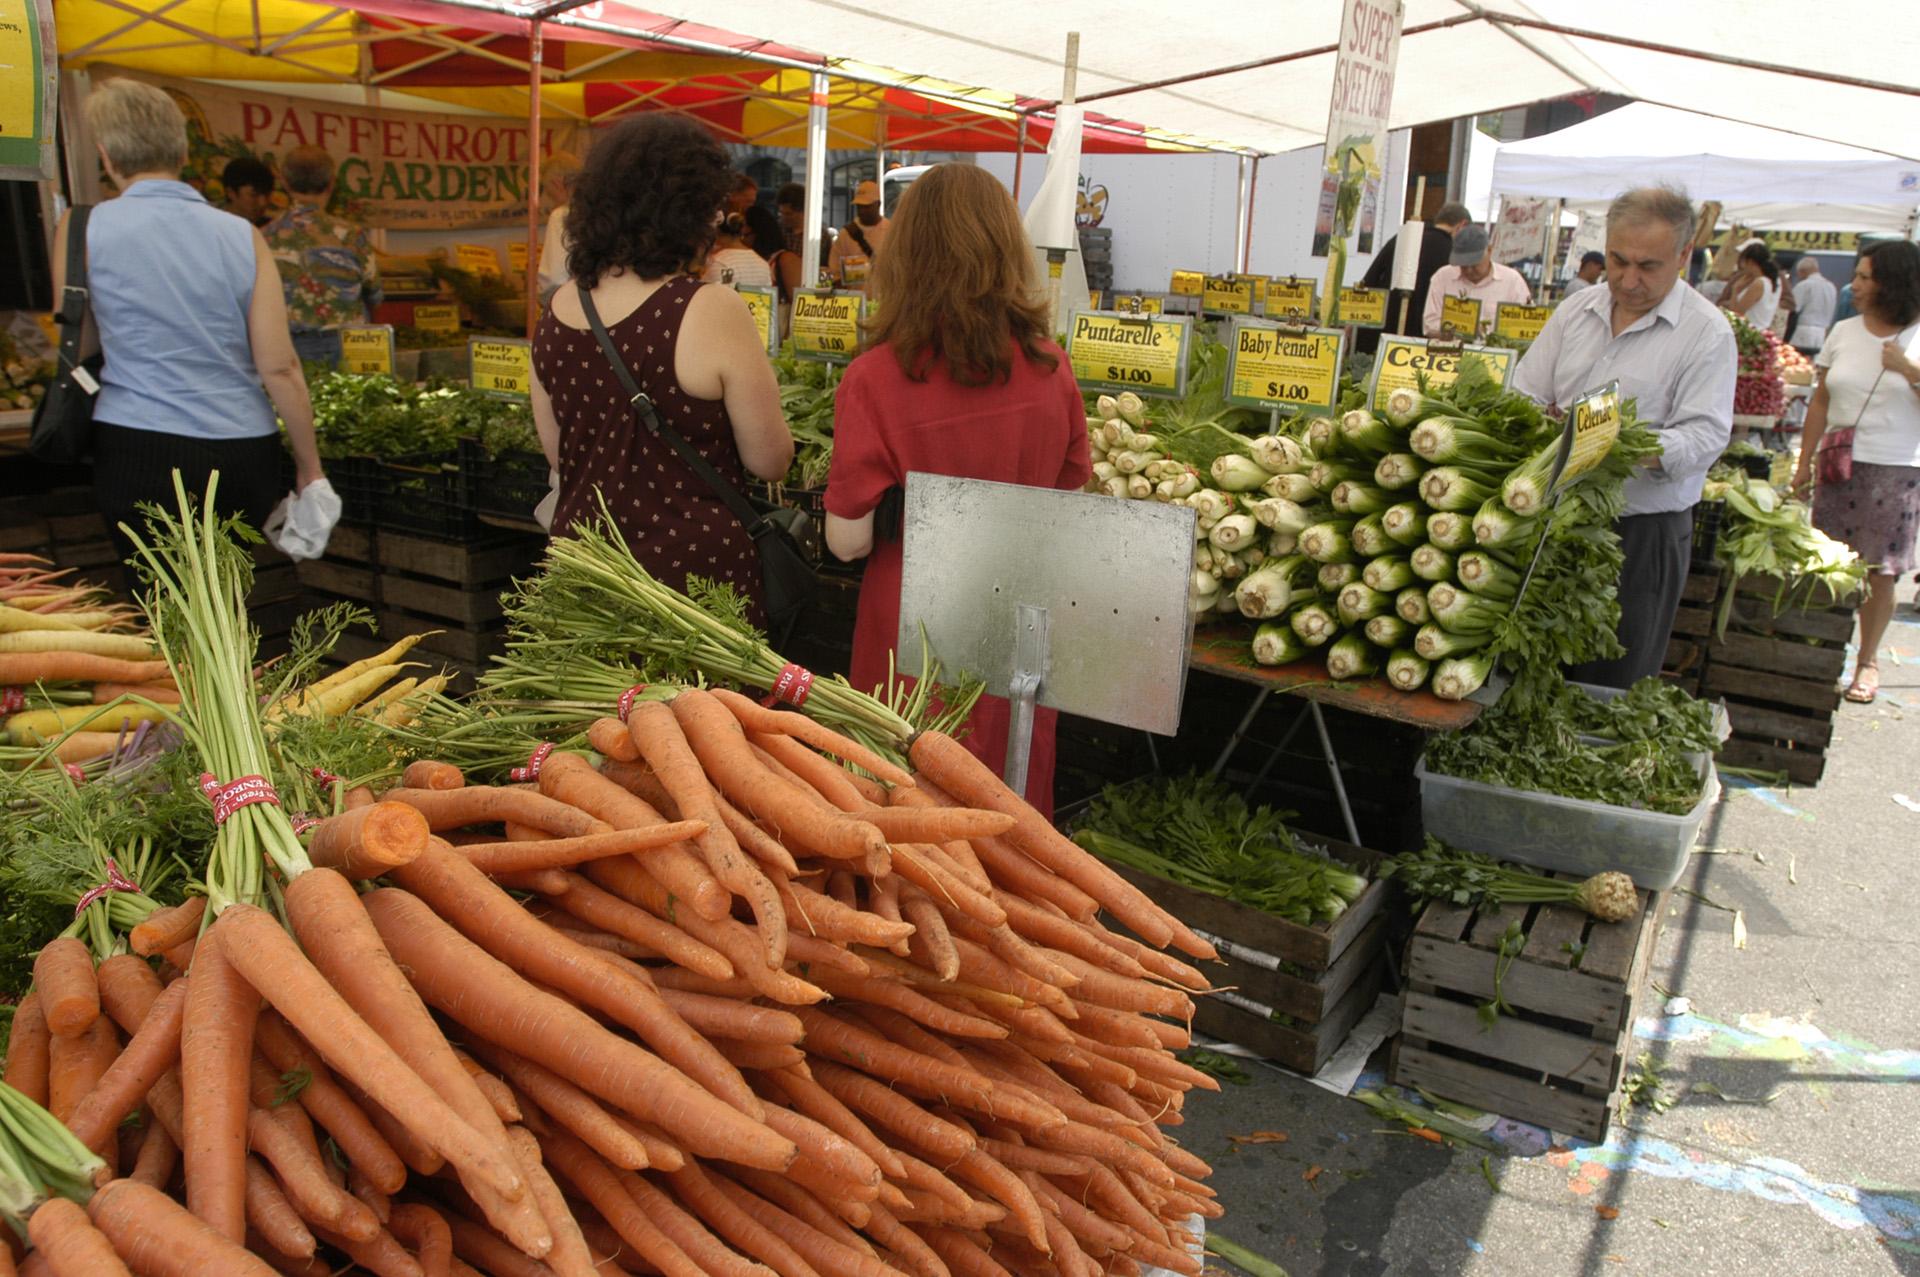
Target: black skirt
133	467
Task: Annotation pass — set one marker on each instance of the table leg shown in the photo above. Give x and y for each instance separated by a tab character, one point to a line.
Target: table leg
1273	756
1333	772
1240	732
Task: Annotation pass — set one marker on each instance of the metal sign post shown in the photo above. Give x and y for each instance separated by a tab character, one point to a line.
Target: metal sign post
1056	599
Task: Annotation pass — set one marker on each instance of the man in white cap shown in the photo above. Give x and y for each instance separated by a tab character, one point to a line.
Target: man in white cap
1471	272
860	239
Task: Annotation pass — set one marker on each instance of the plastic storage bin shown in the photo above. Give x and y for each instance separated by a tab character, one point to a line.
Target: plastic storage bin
1570	835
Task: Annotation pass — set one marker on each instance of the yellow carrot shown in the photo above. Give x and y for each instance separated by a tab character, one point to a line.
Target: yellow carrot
124	647
341	697
393	693
389	657
14	619
35	726
402	712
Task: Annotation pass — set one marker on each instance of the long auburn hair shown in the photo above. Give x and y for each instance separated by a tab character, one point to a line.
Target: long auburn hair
955	281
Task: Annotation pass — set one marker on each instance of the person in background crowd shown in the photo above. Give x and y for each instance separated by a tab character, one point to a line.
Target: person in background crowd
961	377
1754	291
1471	272
642	216
248	185
1592	266
558	172
731	261
1870	380
328	270
1672	352
764	235
857	247
792	204
187	304
1785	316
1436	245
1815	298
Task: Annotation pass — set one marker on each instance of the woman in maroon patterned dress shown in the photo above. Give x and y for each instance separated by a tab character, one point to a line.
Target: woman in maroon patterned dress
643	214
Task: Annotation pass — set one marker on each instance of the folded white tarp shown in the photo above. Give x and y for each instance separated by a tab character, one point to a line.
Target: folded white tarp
1765	178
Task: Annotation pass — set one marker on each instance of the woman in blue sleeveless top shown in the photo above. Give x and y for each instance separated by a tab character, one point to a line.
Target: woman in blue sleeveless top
188	310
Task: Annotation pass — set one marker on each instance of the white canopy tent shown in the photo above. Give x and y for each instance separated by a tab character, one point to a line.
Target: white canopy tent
1764	178
1259	79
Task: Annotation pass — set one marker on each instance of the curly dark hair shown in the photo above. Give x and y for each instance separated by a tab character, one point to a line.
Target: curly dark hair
647	199
1896	280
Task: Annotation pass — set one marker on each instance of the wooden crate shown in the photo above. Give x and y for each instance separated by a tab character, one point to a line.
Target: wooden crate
1778	673
1557	1057
1301	1047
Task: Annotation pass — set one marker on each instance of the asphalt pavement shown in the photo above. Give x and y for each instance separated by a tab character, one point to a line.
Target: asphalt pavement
1788	1136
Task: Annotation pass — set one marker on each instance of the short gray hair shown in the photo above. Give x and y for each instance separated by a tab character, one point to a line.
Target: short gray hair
1452	214
306	170
139	127
1808	265
1668	204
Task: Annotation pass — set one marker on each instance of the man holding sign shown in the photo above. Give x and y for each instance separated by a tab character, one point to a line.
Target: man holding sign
1673	353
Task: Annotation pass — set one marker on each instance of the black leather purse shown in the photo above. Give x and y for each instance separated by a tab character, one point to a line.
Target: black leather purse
787	578
62	432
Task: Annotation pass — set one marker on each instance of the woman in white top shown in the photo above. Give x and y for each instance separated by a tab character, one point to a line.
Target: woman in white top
1754	291
732	252
1870	381
558	173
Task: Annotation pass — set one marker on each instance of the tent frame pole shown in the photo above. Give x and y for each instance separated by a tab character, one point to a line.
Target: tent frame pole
816	180
1019	155
536	55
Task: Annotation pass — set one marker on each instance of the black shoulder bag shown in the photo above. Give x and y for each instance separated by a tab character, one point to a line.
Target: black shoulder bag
785	574
62	432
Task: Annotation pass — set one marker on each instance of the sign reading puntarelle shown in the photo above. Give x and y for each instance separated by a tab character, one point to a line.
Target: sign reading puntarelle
1364	307
1113	352
1520	323
1273	367
437	319
501	366
1402	361
1187	283
366	348
1229	294
760	299
476	259
1290	298
827	325
1462	315
1593	424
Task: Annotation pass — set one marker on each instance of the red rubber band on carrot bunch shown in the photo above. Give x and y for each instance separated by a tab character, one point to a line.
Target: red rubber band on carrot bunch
326	777
12	699
229	798
75	773
302	821
791	685
535	761
627	698
116	881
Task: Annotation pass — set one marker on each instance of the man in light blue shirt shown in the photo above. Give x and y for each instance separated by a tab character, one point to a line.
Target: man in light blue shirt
1673	352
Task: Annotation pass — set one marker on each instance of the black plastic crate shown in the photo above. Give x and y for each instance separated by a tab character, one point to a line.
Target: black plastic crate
426	496
1706	532
1757	467
359	483
507	486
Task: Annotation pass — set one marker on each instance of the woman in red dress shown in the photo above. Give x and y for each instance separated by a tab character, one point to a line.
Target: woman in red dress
960	378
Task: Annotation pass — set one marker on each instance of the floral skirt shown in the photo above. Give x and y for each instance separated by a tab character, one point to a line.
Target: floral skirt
1877	512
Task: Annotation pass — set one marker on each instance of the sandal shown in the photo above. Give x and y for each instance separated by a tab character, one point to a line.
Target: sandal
1865	686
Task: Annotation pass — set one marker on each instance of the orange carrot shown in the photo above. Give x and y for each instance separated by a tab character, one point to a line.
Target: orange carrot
424	1229
828	779
839	1157
1019	873
424	773
69	1243
494	1258
923	873
216	1054
570	1256
1044	927
158	693
267	956
610	739
498	1094
757	717
157	1158
585	900
27	1043
831	919
378	1202
75	1066
639	780
368	841
458	978
383	1255
962	1254
1007	1188
69	996
798	1218
330	1106
602	1187
570	779
726	1216
806	1095
930	930
165	928
23	668
726	1017
157	1238
941	1140
558	853
296	1164
709	1253
273	1217
489	805
905	1244
120	1090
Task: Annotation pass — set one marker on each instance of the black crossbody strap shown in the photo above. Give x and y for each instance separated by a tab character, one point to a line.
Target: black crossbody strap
649	416
72	315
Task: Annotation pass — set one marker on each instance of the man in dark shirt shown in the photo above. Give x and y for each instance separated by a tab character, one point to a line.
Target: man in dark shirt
1436	245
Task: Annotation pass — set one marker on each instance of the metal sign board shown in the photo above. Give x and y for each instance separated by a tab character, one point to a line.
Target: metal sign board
1111	577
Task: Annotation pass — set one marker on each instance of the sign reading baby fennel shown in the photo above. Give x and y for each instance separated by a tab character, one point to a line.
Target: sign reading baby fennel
1273	367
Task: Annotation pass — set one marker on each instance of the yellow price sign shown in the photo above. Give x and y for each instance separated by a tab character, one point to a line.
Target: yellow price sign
1187	283
1520	323
760	299
1273	367
501	366
1462	315
827	325
1137	304
1593	423
1093	299
1364	307
1114	352
517	258
366	348
476	259
1401	362
1259	283
1229	294
437	319
1290	298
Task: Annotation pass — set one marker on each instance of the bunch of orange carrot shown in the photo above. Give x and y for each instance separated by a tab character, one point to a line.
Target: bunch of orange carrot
742	998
